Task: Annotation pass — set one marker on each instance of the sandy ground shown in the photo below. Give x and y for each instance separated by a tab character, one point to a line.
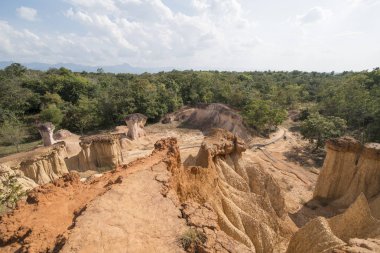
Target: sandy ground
135	217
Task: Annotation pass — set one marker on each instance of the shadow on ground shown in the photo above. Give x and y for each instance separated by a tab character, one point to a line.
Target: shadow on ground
306	156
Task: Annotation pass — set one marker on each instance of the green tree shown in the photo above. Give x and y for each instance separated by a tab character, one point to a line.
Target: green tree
15	70
12	132
13	97
52	114
82	116
317	128
52	98
262	115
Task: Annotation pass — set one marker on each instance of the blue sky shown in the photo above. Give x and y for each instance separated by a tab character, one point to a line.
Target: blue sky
199	34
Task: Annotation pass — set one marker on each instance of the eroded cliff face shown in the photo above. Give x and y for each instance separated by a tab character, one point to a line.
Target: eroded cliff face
46	167
356	230
99	152
349	169
208	116
42	165
350	183
248	202
25	182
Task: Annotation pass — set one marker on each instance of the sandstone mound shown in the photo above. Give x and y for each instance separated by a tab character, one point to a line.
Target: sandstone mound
208	116
348	170
62	134
42	165
99	152
356	230
248	201
136	123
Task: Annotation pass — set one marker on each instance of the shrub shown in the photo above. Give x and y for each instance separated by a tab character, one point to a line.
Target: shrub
192	238
10	192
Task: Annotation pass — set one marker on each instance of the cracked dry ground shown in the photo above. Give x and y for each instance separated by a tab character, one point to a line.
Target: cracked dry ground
124	211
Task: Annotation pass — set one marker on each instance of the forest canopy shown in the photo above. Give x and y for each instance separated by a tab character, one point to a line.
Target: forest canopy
83	102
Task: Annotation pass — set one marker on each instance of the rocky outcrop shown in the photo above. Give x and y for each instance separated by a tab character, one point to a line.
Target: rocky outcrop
62	134
40	165
25	182
136	123
45	167
208	116
348	170
46	131
356	230
99	152
248	202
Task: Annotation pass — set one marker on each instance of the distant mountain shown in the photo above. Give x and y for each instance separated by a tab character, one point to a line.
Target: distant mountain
123	68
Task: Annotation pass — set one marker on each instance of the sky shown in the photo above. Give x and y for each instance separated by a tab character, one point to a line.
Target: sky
326	35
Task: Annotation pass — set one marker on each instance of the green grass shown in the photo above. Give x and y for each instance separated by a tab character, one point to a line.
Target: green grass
7	150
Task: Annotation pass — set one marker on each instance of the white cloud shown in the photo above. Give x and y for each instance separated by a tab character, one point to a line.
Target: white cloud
208	34
313	15
27	13
150	31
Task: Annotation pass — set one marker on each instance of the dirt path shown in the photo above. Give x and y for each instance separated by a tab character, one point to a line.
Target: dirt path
132	217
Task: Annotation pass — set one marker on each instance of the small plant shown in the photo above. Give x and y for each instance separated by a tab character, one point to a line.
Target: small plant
10	192
192	239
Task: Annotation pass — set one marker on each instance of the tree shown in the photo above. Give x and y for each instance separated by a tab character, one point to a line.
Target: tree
83	116
13	97
52	114
12	132
52	98
262	115
317	128
15	69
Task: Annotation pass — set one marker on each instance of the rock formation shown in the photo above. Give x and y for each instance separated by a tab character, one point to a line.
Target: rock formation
208	116
41	165
46	131
356	230
99	152
348	170
248	201
62	134
25	182
45	167
135	123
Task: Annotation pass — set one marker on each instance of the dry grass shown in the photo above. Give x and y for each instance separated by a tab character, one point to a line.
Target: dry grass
8	150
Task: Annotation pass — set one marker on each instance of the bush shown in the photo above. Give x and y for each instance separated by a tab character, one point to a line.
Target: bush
10	192
192	238
263	116
319	128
